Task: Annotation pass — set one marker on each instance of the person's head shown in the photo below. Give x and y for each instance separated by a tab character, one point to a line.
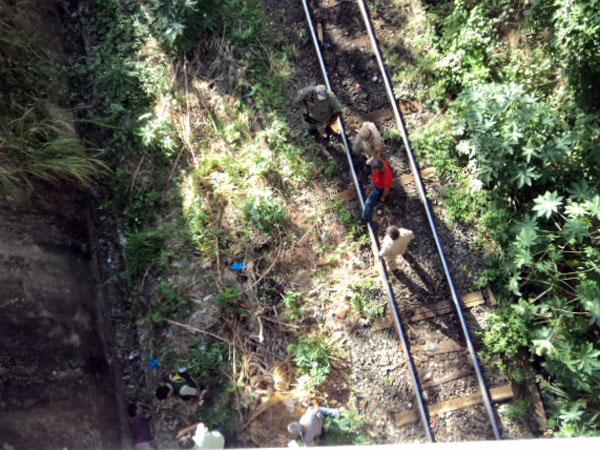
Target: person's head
163	391
321	91
185	442
393	232
377	165
131	410
364	133
294	428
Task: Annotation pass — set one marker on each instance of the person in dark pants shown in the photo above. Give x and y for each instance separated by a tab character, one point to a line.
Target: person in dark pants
322	109
182	385
382	180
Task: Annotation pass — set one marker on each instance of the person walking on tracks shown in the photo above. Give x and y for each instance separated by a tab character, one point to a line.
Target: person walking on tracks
310	425
322	108
382	180
368	141
395	243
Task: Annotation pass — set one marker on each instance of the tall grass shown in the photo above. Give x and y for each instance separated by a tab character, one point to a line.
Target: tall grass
38	142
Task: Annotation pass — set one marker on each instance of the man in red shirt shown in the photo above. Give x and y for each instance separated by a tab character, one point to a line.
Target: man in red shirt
382	180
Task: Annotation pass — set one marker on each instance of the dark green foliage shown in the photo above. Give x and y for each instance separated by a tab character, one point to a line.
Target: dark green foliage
519	409
514	139
347	430
167	304
367	299
180	24
205	361
208	363
313	357
293	305
143	250
265	213
577	40
519	154
230	300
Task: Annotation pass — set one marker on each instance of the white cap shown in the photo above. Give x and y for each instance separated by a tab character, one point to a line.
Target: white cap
321	91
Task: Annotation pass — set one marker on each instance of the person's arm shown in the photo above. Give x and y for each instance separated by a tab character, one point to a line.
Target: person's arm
336	107
303	93
386	246
185	431
386	191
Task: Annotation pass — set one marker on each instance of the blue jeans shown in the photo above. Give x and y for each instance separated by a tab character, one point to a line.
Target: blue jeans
370	204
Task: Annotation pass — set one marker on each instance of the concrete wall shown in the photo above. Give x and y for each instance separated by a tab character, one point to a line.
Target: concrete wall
55	386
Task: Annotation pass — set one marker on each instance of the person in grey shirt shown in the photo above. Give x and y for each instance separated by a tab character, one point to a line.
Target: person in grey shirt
321	106
310	425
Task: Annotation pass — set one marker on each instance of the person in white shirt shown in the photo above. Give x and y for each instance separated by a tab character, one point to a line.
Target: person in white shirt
395	243
368	141
198	437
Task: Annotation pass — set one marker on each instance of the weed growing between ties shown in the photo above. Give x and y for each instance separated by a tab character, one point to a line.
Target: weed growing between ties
367	299
517	150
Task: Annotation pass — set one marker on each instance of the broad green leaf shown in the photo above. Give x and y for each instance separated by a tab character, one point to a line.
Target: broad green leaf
542	347
574	209
581	190
593	206
527	234
589	359
576	230
547	204
572	414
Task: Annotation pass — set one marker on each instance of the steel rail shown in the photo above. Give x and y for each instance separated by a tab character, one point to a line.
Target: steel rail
423	412
430	217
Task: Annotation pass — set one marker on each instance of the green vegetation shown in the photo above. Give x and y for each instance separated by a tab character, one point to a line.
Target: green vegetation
38	142
230	300
143	250
314	358
167	304
350	218
365	299
293	305
347	430
517	147
206	363
519	409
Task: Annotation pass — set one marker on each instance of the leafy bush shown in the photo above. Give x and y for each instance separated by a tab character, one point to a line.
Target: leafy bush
519	409
37	138
577	24
265	213
179	24
230	300
365	299
293	305
513	140
204	361
313	357
346	430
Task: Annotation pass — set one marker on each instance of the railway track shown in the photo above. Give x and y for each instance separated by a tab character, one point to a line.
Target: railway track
424	220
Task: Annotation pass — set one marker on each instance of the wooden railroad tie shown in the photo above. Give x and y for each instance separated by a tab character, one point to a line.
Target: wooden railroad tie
428	173
438	309
498	394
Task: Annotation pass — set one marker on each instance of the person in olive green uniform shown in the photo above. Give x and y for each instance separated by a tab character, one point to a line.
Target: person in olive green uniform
322	108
